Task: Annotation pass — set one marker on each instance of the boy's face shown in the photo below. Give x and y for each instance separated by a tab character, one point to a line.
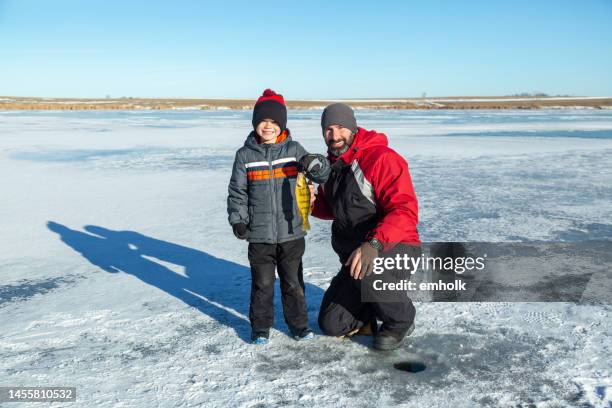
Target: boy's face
338	139
268	130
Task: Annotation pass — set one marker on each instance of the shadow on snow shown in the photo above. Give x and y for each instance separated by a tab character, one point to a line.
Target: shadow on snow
216	287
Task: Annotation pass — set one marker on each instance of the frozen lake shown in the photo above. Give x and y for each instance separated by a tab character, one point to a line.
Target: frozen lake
120	275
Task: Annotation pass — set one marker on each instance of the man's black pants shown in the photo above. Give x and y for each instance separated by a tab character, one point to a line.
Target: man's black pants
343	311
265	260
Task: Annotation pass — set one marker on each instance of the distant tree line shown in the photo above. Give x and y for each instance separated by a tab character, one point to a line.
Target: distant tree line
535	95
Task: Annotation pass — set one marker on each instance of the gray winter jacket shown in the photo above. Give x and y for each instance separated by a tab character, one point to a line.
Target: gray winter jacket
261	192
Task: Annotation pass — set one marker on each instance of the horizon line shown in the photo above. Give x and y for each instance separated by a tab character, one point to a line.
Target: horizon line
342	99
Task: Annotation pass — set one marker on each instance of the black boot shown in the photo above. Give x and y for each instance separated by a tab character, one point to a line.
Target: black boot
260	337
391	340
369	329
302	334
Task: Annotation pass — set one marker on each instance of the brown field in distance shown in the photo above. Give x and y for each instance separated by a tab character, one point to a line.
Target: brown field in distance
473	102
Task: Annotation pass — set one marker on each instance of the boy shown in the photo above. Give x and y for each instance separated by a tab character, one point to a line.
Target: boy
262	208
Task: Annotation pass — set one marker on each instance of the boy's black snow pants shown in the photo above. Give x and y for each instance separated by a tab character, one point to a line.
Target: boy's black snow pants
265	259
343	311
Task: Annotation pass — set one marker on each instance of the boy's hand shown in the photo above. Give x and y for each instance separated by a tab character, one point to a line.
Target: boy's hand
240	230
308	163
315	166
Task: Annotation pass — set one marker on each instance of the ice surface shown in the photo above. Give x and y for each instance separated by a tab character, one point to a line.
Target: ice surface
119	274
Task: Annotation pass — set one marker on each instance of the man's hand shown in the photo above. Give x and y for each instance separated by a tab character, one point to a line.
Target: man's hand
311	187
240	230
361	261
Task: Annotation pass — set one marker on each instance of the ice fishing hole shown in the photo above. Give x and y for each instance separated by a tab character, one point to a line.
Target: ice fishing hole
410	366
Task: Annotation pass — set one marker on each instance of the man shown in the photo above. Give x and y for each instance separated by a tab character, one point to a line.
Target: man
370	197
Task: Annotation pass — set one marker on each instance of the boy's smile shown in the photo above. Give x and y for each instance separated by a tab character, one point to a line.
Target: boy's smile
268	130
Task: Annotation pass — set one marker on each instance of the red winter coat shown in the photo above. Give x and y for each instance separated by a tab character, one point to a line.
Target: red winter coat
369	194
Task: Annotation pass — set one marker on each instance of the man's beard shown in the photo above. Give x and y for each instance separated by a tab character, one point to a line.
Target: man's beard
337	152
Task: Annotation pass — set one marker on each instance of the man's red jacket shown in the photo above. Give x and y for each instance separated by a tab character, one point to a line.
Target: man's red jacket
369	195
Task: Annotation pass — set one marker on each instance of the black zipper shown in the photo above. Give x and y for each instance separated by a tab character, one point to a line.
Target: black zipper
272	190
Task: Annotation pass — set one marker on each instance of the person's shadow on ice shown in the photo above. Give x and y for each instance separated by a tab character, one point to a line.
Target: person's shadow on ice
216	287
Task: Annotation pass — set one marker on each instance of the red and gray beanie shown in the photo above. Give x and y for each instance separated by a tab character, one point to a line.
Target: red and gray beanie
270	105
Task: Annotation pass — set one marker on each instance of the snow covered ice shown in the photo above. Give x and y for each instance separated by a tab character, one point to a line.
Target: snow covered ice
119	274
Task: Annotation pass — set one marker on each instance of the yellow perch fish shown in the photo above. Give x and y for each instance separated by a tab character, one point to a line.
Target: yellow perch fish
302	195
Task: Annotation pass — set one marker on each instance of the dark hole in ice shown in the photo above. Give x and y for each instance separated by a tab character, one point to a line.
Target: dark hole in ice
601	392
410	366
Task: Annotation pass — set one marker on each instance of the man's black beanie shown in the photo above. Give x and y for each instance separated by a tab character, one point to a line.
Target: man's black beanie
339	114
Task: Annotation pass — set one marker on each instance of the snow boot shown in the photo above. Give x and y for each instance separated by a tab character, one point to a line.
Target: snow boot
369	329
302	334
391	340
260	337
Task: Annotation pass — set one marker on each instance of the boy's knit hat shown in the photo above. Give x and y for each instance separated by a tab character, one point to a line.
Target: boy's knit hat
270	105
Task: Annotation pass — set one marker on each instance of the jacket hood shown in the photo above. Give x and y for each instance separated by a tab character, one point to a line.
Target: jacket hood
251	141
364	139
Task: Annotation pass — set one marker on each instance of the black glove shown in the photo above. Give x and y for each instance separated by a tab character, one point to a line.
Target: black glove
368	254
240	230
316	167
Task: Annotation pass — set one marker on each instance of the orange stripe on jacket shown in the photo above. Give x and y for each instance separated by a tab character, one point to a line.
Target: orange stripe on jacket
288	171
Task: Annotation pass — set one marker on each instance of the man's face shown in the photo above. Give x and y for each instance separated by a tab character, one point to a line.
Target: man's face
338	139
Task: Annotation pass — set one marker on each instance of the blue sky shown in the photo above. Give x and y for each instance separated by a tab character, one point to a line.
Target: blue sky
308	49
